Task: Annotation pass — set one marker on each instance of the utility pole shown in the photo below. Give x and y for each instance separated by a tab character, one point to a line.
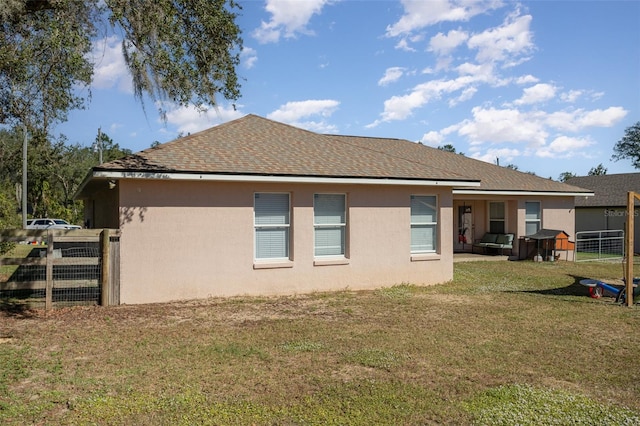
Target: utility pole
97	145
100	144
24	178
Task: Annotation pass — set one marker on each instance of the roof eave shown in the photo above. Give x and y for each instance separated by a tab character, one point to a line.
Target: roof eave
222	177
88	178
465	191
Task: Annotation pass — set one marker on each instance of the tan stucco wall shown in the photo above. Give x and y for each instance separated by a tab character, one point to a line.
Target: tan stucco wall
186	240
559	213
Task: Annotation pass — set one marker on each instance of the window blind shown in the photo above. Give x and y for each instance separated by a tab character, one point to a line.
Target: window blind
329	218
424	221
272	222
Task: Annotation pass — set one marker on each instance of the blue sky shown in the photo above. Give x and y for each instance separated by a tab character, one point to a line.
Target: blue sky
548	86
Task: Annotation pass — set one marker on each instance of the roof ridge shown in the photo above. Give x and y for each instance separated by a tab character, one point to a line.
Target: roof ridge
210	129
605	175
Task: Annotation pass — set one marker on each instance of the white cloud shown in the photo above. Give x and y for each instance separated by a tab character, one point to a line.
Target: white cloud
480	72
324	62
443	63
571	96
491	125
502	46
505	43
432	138
288	18
419	14
294	113
401	107
576	120
526	79
503	125
602	118
317	126
564	147
535	94
464	96
110	69
563	120
391	75
249	57
504	155
531	129
403	44
443	44
189	119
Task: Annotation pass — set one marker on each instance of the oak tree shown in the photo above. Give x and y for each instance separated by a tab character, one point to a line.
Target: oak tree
183	51
629	146
599	170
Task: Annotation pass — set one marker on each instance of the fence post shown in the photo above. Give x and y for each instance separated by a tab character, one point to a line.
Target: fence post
631	201
104	255
48	295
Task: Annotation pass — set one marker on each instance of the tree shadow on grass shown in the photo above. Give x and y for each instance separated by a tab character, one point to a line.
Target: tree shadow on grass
17	309
574	289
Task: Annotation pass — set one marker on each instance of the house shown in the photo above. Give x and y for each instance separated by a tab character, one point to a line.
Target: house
607	209
258	207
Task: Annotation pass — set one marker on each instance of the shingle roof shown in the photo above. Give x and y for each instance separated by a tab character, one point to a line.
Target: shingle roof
492	177
609	190
255	145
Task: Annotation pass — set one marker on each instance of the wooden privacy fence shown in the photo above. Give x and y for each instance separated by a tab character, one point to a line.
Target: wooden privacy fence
62	266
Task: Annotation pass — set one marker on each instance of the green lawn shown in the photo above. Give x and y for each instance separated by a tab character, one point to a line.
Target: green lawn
19	250
504	343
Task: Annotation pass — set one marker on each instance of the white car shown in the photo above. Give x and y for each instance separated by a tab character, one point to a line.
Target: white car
50	224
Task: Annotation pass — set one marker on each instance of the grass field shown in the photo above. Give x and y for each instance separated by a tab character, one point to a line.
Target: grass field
503	343
19	250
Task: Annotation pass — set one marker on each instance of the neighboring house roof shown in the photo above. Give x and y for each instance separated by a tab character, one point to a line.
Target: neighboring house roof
609	190
255	147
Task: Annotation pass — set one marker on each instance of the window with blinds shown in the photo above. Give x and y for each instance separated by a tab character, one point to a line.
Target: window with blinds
272	225
330	224
532	217
424	223
497	218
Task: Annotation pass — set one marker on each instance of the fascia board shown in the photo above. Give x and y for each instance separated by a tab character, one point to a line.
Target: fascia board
277	179
525	193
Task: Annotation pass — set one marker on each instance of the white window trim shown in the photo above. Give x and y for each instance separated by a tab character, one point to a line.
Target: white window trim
416	254
272	262
331	259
